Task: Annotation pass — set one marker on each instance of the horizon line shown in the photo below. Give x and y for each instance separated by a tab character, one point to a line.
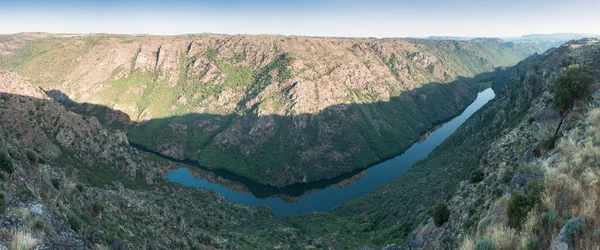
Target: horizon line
585	34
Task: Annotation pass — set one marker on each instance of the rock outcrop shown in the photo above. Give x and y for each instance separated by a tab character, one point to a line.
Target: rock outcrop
74	184
511	155
546	123
229	101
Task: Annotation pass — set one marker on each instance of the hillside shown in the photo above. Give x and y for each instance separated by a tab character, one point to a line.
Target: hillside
515	175
277	110
75	183
547	41
67	182
541	41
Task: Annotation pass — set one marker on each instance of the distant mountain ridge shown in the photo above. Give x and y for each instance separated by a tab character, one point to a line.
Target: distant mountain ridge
542	41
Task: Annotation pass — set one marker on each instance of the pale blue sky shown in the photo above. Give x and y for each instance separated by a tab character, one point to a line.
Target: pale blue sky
353	18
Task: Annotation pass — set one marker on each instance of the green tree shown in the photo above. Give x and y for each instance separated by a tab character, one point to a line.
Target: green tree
520	204
570	85
2	201
6	163
517	208
441	214
477	175
33	159
97	208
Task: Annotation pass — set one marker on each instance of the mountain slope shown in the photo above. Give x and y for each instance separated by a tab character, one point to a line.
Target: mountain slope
74	184
547	41
277	110
488	161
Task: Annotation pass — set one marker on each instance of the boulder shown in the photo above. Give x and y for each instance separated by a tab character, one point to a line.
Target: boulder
560	246
531	154
546	123
36	208
564	239
425	236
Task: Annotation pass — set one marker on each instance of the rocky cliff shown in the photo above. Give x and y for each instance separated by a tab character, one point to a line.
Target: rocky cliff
72	182
532	177
68	182
277	110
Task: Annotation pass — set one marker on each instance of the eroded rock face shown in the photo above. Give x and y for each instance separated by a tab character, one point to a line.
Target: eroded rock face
519	145
49	122
324	97
426	236
546	123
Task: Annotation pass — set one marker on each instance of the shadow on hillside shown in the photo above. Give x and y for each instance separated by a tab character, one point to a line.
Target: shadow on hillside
295	154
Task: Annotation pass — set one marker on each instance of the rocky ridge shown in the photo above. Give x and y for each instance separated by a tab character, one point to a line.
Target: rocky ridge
209	97
528	152
78	185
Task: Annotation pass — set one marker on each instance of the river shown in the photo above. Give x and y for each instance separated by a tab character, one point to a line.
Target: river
324	195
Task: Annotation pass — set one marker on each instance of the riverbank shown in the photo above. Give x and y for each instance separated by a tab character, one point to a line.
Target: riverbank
321	198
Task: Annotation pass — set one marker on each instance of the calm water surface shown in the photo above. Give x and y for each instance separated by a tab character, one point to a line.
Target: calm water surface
324	195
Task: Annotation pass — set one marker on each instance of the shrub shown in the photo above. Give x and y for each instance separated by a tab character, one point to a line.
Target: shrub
97	208
33	159
534	189
477	175
6	163
530	243
573	227
56	183
39	224
2	201
549	218
441	214
485	244
508	176
12	152
75	222
517	209
521	203
25	193
570	84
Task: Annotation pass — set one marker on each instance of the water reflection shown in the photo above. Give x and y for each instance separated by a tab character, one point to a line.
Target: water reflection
322	195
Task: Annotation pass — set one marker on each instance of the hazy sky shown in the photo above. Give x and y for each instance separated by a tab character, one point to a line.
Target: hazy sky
373	18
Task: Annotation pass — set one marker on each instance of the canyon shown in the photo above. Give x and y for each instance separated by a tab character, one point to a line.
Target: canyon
276	110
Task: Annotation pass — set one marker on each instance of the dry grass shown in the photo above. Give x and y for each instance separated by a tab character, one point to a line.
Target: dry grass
100	247
22	240
531	223
503	237
468	244
19	211
573	182
572	188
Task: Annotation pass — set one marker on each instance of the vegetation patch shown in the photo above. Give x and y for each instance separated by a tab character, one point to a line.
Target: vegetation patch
570	85
441	214
6	163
